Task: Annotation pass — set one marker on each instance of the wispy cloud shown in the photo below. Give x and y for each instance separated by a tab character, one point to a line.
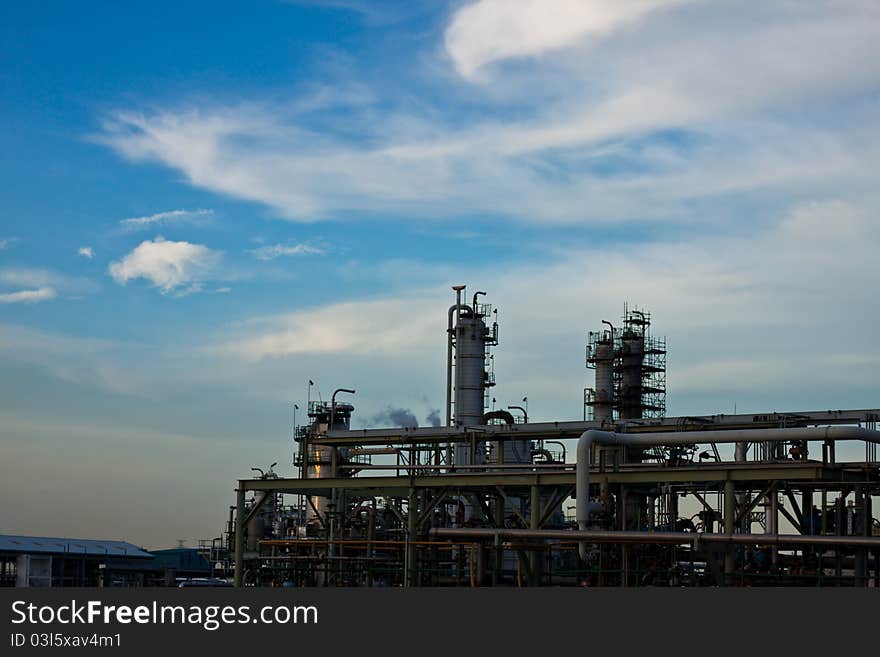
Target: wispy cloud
169	266
38	278
677	103
86	252
92	362
270	252
29	296
168	216
6	242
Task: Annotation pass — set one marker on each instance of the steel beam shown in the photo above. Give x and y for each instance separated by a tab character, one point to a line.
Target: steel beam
239	534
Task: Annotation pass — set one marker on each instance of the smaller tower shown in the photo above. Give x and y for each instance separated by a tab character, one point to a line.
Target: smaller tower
630	366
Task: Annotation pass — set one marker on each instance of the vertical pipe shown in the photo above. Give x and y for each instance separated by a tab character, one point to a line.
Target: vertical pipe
239	535
839	513
331	535
370	555
823	529
729	521
412	528
773	522
449	372
862	528
458	289
534	522
499	553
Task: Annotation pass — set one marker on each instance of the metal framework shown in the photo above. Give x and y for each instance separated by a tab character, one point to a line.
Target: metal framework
486	500
637	363
400	523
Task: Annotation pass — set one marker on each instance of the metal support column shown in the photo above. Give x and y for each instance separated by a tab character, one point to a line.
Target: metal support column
535	523
499	553
729	524
862	528
239	535
412	517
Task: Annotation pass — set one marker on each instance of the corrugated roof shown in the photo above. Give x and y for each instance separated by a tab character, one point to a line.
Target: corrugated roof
49	545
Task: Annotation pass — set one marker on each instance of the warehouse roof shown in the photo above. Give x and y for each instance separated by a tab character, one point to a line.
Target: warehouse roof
73	546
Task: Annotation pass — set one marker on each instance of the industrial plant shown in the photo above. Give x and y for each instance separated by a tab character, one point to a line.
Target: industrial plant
624	496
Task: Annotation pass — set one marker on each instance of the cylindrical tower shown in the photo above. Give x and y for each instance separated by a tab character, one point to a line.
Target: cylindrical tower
632	353
604	358
318	459
470	369
471	339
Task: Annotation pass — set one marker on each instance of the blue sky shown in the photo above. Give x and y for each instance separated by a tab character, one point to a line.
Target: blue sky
204	206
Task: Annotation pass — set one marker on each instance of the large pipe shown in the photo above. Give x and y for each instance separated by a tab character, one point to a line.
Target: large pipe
673	538
497	415
591	436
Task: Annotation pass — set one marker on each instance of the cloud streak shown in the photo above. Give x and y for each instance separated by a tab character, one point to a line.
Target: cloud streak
29	296
138	223
280	250
35	278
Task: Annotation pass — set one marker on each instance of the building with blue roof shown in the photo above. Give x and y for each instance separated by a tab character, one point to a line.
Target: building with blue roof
41	561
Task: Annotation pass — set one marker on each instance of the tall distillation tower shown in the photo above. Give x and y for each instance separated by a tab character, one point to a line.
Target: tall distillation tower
468	372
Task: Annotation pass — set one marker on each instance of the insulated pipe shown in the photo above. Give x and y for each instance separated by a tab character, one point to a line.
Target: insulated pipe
582	477
497	415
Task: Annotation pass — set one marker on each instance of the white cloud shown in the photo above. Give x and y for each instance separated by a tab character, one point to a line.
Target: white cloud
278	250
29	296
167	265
163	217
763	110
6	242
747	319
86	252
491	30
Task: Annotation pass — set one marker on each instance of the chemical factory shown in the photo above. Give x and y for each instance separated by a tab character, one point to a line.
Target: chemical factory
625	496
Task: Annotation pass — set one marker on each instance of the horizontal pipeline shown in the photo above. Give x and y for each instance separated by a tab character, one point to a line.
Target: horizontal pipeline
669	538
